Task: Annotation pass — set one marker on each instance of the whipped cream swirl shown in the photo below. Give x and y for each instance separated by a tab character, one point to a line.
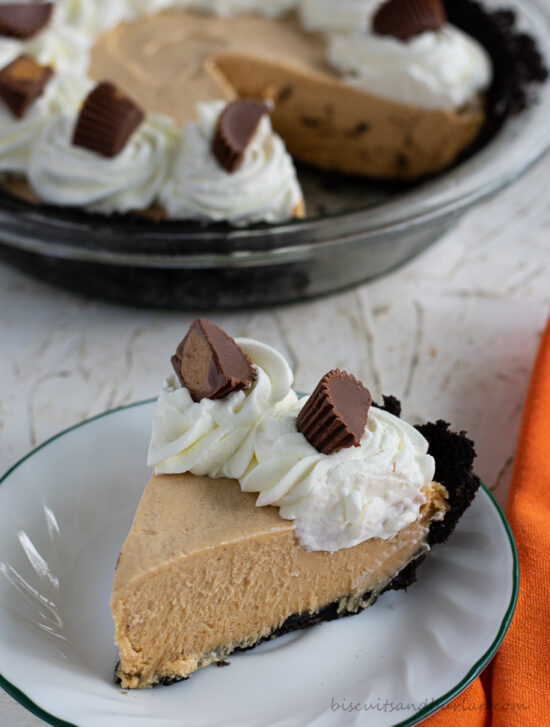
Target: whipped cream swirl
216	437
444	70
93	16
227	8
17	136
336	501
63	174
96	16
339	500
328	16
264	188
64	48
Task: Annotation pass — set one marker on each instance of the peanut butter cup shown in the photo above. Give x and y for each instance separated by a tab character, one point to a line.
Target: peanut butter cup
21	82
335	415
209	363
107	121
23	20
404	19
236	128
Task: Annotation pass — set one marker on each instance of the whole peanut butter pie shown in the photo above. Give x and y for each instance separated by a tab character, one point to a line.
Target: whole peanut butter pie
121	107
269	512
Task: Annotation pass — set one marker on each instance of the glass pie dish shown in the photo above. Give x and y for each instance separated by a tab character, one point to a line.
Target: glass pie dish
355	230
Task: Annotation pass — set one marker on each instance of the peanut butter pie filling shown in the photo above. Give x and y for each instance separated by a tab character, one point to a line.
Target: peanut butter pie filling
268	512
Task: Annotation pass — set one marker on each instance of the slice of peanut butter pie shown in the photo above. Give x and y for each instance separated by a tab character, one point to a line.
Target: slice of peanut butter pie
268	512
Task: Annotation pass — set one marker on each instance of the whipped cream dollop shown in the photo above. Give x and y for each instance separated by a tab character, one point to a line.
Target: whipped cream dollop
342	499
64	48
96	16
17	136
264	188
64	174
215	437
444	69
335	501
93	16
328	16
227	8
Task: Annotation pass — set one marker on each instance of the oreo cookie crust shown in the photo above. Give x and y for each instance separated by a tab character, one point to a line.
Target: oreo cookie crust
516	58
518	64
454	454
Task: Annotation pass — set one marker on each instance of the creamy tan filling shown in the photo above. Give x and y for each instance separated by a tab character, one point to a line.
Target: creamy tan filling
203	571
162	61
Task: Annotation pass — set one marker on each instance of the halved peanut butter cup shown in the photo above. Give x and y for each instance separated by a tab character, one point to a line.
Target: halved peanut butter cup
236	128
210	364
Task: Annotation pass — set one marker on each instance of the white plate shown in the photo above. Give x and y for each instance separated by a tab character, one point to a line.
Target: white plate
64	513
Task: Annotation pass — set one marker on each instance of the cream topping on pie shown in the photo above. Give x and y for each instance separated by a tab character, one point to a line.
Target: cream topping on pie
60	45
335	501
264	187
215	437
18	136
443	69
328	16
93	16
64	174
342	499
227	8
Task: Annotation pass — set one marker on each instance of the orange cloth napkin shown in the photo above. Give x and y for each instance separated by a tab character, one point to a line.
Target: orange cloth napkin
514	690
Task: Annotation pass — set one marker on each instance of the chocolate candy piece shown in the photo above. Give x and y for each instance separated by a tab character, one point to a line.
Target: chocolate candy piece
107	121
403	19
209	363
335	415
23	20
21	82
236	128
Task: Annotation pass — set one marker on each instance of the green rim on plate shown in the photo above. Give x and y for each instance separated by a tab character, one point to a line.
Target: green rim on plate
428	710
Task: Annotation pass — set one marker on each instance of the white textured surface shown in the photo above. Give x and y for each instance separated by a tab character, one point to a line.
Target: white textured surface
454	334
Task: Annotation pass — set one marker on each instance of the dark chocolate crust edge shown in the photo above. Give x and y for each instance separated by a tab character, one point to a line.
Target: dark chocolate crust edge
515	55
454	454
